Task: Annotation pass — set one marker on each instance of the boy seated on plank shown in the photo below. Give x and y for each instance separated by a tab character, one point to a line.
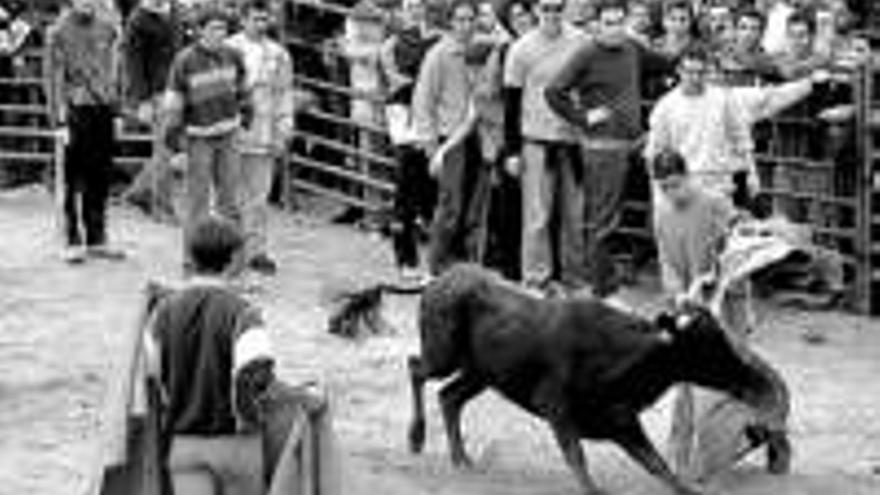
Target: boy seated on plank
211	349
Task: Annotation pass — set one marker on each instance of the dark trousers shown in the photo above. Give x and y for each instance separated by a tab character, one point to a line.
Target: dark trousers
88	161
450	229
414	201
504	236
606	174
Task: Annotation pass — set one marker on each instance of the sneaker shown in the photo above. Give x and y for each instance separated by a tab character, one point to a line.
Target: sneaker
617	303
105	252
263	265
74	255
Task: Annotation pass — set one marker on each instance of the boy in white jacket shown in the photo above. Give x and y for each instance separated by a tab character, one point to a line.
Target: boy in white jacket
269	76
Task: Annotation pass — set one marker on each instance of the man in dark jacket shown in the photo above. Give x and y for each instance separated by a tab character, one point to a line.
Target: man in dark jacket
606	76
150	41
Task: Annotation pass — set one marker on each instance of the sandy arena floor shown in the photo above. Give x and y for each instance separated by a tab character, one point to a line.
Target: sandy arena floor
60	326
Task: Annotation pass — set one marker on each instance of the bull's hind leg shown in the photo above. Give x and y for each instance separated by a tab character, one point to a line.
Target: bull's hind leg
418	375
453	396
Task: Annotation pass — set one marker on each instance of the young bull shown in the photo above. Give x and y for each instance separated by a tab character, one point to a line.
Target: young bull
584	367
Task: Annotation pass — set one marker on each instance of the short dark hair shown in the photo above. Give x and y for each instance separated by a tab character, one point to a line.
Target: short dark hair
678	5
751	13
456	4
208	15
213	243
603	5
696	52
668	163
255	5
802	17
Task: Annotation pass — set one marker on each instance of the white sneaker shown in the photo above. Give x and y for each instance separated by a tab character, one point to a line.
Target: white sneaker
74	255
106	252
617	303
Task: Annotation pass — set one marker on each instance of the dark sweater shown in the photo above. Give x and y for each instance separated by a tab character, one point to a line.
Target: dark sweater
150	42
597	76
196	330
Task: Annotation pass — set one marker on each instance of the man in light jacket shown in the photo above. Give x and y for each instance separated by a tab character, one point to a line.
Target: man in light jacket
269	79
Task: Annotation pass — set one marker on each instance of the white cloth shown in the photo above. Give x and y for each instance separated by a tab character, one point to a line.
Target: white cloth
775	35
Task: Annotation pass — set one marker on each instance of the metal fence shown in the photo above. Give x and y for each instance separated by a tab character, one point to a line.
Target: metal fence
824	176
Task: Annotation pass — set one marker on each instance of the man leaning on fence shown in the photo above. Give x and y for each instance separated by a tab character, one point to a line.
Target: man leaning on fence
81	62
269	79
208	105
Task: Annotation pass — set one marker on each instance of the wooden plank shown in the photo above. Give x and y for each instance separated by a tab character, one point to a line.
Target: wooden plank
22	81
23	156
26	132
847	202
336	119
342	173
337	196
26	109
354	94
346	148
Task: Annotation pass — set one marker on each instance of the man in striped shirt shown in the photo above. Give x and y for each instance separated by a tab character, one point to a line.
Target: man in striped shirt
208	103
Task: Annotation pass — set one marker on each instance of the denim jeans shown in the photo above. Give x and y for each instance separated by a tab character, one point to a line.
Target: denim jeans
552	196
213	177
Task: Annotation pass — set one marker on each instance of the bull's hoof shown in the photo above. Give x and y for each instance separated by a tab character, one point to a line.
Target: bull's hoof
779	454
417	437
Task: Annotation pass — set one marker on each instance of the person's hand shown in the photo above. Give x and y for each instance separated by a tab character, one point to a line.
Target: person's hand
145	113
596	116
62	134
436	164
513	165
820	76
178	162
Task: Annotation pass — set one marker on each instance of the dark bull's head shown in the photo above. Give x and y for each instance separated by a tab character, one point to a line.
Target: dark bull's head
706	355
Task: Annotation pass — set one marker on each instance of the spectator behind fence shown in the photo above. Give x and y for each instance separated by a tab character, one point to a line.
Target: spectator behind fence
150	41
543	150
599	91
361	45
269	81
679	29
747	64
440	106
14	31
208	105
416	193
82	96
711	126
800	57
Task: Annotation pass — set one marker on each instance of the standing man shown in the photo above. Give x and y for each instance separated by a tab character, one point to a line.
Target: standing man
269	72
150	41
208	105
440	105
81	93
606	76
551	169
711	127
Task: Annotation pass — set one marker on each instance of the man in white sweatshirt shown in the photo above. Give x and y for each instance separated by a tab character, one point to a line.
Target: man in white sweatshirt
269	78
711	126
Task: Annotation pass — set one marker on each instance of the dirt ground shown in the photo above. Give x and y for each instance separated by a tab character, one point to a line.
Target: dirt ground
60	327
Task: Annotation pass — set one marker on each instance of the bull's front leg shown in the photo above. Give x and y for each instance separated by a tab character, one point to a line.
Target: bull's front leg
570	443
636	443
453	397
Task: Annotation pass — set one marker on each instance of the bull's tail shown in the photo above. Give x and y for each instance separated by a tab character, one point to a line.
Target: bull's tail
358	312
